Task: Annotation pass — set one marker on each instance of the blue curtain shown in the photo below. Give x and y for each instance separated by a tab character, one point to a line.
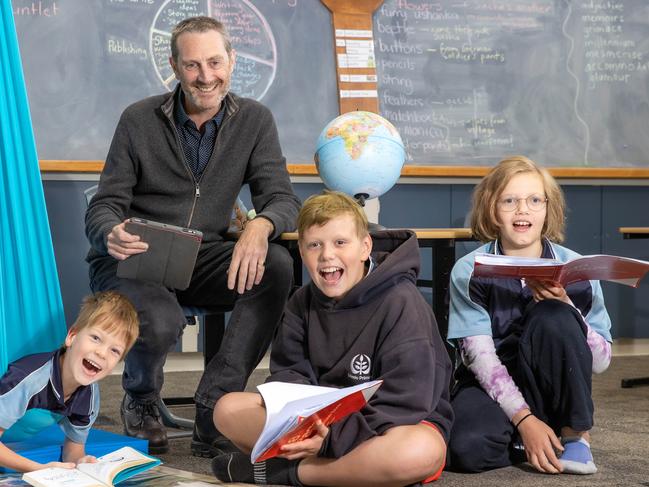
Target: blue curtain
31	309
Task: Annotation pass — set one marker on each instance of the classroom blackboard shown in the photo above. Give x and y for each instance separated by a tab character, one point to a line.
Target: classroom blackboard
86	60
564	82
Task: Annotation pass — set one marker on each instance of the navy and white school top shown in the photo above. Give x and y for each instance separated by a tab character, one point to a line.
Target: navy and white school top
494	306
31	399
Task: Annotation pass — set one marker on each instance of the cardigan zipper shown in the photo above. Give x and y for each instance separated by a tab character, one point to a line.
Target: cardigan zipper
197	188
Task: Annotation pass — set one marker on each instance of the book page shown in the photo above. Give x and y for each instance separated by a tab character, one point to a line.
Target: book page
108	466
290	403
622	270
487	265
504	260
60	477
277	394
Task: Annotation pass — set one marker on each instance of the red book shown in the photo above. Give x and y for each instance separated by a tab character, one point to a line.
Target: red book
612	268
293	409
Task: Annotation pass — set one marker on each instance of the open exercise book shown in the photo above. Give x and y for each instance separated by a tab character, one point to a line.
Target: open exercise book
109	470
293	409
622	270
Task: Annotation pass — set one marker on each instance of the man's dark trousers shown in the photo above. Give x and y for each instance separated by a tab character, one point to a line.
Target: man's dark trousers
248	334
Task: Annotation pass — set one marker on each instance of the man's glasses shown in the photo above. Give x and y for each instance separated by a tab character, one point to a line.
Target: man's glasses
535	202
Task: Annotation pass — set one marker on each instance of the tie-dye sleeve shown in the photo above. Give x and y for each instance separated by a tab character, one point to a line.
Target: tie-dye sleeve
600	348
479	355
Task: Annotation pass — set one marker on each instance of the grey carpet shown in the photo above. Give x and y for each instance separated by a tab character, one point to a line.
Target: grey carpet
620	438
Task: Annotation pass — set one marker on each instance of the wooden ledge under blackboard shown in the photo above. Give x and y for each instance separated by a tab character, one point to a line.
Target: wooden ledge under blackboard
52	166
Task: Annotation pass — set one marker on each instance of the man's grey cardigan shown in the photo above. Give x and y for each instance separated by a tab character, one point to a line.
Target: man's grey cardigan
146	174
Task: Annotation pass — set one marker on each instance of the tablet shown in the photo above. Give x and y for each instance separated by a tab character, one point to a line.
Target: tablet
171	256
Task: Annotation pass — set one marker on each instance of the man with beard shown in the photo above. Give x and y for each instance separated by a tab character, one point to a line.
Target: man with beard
181	159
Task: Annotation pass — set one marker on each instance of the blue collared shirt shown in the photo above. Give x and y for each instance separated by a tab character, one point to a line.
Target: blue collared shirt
197	146
31	399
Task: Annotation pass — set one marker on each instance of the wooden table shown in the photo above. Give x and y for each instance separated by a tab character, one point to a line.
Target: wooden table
441	241
632	233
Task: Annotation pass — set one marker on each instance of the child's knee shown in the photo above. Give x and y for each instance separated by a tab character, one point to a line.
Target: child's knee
233	409
422	464
429	455
225	412
422	455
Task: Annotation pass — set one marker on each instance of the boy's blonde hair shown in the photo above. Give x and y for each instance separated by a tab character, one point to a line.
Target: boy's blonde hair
112	312
484	223
319	209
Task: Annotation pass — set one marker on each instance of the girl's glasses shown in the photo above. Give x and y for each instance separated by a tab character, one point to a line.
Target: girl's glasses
534	202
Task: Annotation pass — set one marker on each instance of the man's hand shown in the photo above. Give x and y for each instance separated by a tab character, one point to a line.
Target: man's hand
249	255
122	244
306	448
547	290
540	445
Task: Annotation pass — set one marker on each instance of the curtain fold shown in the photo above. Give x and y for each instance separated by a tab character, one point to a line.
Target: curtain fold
31	308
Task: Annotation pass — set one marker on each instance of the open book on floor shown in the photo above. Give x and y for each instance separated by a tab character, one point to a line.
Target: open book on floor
293	409
622	270
109	470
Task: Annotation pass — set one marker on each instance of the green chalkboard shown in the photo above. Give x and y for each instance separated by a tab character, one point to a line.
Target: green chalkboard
465	83
564	82
87	60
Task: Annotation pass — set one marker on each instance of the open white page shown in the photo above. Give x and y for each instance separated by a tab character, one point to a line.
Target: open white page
109	465
60	477
492	259
286	403
277	394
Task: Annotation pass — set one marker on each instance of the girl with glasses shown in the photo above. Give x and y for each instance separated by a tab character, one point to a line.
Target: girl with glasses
528	348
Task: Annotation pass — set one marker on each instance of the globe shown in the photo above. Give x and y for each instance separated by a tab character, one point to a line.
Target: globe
361	154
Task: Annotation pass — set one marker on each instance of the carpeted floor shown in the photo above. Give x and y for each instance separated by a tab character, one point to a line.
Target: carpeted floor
620	438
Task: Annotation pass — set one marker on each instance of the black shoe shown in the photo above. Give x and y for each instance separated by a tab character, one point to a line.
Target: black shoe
142	420
207	441
236	467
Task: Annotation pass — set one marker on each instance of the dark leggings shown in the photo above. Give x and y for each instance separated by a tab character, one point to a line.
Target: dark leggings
553	370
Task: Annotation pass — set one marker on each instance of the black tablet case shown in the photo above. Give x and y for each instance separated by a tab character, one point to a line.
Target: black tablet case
171	256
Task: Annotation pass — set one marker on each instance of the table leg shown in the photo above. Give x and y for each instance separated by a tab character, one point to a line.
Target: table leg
636	381
443	261
294	250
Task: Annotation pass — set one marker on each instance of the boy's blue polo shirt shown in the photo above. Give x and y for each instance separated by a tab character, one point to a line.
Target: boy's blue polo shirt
31	399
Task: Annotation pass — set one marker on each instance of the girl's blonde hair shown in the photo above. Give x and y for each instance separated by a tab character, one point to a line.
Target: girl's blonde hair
484	222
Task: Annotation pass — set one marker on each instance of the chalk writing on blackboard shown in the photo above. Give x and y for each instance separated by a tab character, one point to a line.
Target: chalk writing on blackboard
564	82
85	61
249	31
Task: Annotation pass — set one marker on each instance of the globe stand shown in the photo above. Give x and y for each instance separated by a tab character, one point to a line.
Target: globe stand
360	199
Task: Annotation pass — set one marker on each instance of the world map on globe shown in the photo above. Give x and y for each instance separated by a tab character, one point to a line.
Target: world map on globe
360	153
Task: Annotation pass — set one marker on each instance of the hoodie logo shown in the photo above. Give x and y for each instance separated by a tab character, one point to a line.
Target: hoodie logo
360	367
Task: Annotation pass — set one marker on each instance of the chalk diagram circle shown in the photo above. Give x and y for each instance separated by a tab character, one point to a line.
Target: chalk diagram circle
250	33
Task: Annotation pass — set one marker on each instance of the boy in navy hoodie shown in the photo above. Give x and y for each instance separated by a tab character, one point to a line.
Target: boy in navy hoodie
360	318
